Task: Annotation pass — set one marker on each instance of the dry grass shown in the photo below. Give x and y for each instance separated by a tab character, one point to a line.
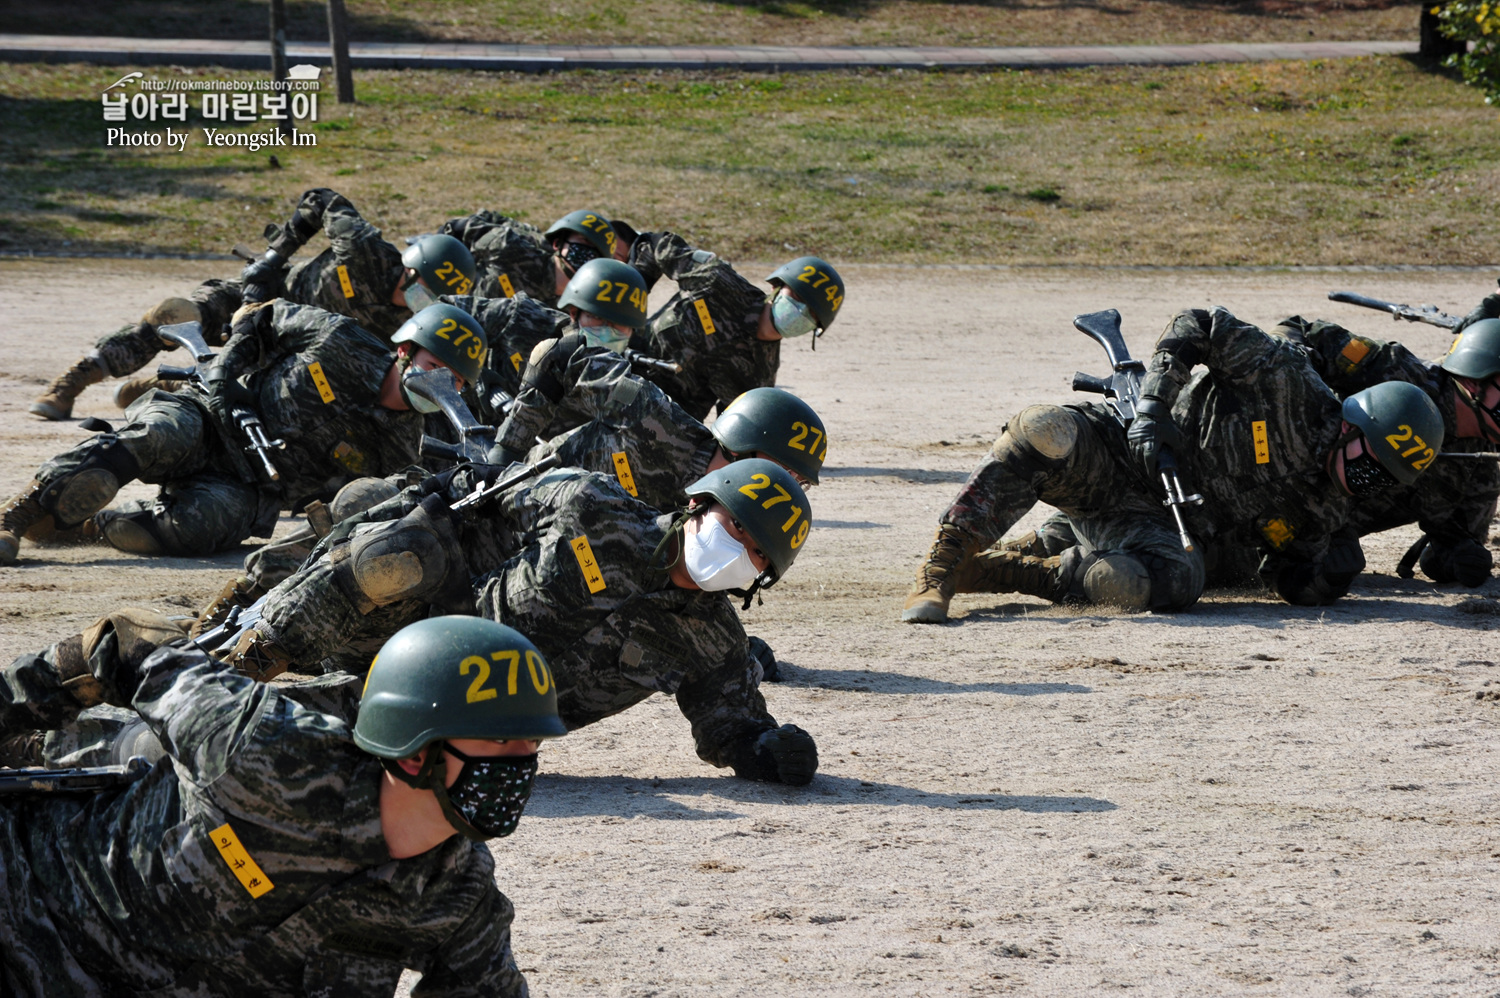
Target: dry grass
740	22
1362	161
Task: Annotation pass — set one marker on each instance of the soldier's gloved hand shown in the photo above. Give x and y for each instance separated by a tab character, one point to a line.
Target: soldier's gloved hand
545	376
762	655
224	395
1462	560
1150	431
264	278
501	456
1345	559
793	753
1489	308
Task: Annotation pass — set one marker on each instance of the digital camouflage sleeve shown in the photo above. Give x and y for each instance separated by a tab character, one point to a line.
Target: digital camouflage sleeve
358	272
249	862
708	327
512	256
1258	425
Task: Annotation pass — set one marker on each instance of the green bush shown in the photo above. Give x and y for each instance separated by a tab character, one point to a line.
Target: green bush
1476	21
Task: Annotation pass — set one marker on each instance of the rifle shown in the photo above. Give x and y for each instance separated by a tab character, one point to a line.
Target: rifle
1411	313
648	363
240	619
82	780
474	438
1122	392
189	335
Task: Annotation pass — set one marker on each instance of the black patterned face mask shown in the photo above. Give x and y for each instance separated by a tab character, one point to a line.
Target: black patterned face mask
578	254
489	794
1365	476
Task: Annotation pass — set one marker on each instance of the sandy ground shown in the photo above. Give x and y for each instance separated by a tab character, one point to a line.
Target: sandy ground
1247	798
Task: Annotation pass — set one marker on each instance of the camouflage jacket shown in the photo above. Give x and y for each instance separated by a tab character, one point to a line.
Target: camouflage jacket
612	421
514	326
356	274
566	561
1257	426
1453	499
708	326
512	257
316	381
250	862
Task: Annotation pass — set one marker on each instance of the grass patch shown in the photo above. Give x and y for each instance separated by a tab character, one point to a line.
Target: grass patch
1349	161
742	22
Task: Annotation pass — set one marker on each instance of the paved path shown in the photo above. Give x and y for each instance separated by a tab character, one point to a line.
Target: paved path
544	58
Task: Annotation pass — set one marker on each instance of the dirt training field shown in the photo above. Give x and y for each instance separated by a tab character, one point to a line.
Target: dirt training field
1244	799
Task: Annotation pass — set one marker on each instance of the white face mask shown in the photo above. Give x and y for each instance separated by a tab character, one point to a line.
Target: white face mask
715	560
605	336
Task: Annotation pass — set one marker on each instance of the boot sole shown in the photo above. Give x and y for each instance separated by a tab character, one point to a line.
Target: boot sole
48	411
925	614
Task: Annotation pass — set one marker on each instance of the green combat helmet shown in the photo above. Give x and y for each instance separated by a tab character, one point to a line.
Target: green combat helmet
816	283
455	677
442	263
592	225
609	289
1402	427
1475	352
768	503
776	424
451	335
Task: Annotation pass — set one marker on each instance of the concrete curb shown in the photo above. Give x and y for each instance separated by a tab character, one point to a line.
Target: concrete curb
766	58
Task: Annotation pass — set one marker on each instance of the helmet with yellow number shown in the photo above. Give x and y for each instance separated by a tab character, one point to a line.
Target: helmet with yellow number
1475	352
451	335
1402	426
442	263
769	505
817	285
592	225
609	289
776	424
455	677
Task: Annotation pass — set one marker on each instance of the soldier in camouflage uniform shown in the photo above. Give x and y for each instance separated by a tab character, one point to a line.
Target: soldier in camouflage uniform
514	257
1454	502
360	275
327	388
284	849
625	601
724	331
1258	433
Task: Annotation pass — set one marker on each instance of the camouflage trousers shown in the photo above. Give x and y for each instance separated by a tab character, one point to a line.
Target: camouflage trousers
131	347
202	507
1075	458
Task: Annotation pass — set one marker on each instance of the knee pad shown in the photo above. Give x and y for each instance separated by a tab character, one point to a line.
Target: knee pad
75	496
171	311
409	559
132	530
1046	431
1120	580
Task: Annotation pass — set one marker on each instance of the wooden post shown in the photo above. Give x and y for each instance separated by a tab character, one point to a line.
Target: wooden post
338	38
278	59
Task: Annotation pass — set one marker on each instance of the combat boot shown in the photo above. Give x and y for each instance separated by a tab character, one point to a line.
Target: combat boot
937	579
1007	571
23	512
1031	543
57	401
128	391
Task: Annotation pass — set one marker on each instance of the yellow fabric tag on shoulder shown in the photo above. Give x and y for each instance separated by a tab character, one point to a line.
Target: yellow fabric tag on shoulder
622	472
1355	350
585	555
515	360
245	869
344	282
1262	442
704	317
506	286
320	381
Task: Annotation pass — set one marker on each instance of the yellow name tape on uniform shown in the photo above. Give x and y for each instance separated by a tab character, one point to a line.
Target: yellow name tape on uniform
320	381
1262	442
585	555
344	281
1278	532
516	359
241	865
704	317
1355	351
622	472
506	286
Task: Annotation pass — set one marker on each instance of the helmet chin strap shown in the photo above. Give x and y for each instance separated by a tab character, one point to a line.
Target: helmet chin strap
1477	407
426	779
